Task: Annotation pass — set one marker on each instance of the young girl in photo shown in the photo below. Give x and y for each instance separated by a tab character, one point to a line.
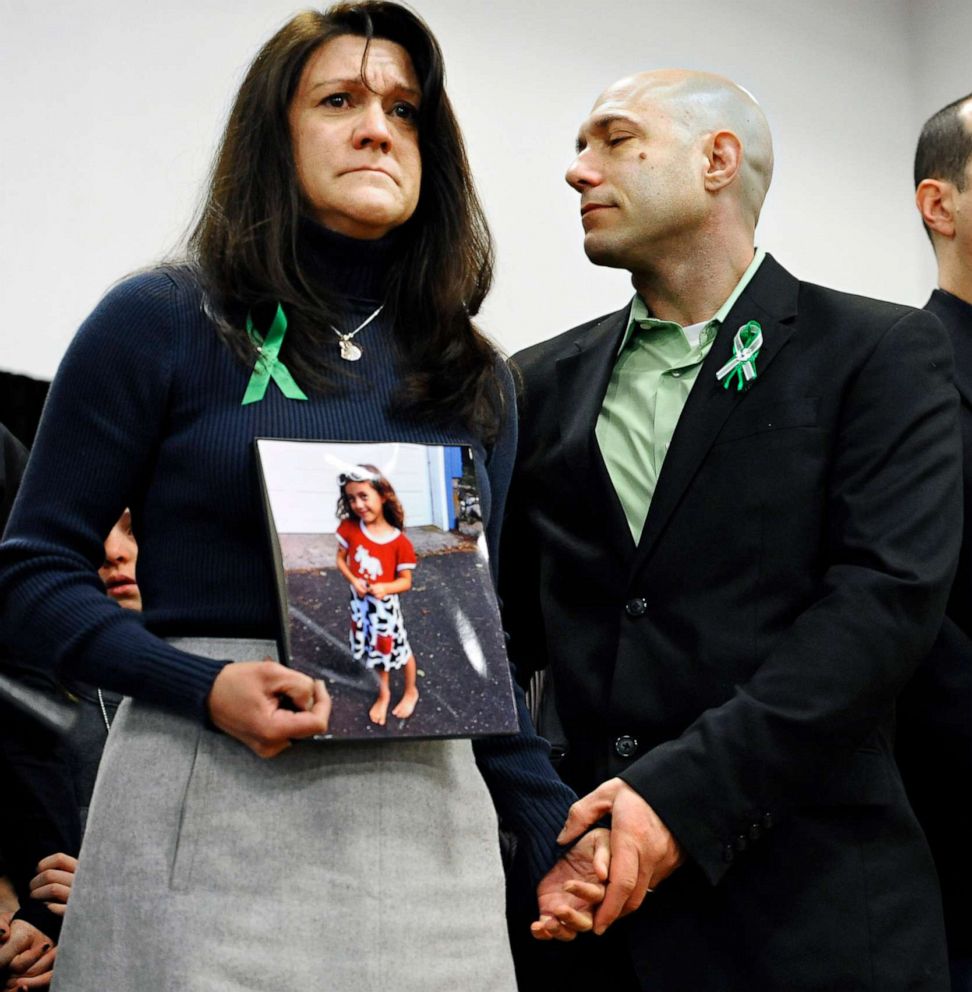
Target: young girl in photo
377	559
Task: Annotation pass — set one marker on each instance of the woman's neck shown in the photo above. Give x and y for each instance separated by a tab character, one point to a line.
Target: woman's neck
348	267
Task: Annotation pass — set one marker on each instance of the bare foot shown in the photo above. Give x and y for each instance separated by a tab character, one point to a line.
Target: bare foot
379	709
406	705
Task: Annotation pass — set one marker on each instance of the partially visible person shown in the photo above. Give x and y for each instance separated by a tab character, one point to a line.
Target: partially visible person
26	949
934	733
49	782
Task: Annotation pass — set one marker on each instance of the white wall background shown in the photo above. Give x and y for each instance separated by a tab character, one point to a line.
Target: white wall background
302	484
110	113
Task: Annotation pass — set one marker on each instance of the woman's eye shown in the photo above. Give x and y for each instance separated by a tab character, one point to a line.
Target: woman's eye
406	111
336	100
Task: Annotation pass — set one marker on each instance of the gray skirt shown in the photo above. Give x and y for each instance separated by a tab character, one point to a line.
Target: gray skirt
342	867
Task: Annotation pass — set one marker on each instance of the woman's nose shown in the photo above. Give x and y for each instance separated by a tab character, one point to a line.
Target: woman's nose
372	127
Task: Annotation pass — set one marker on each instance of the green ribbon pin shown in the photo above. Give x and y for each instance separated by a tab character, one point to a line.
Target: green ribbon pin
268	365
741	368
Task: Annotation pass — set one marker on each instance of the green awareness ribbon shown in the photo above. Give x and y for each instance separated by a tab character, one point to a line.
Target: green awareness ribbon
741	368
268	365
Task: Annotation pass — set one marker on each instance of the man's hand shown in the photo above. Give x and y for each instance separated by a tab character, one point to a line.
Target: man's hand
568	893
251	700
53	881
643	851
26	957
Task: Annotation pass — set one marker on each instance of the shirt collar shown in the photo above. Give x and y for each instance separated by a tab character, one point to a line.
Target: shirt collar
639	315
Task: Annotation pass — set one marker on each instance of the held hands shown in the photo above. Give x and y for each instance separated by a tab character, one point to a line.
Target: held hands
254	702
52	883
26	956
568	893
643	851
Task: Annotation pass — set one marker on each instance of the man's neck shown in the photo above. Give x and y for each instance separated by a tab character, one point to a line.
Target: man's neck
955	277
688	287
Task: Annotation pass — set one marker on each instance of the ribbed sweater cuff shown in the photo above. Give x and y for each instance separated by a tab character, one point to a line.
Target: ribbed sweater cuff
174	679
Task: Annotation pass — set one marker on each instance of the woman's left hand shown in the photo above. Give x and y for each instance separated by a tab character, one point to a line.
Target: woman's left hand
570	892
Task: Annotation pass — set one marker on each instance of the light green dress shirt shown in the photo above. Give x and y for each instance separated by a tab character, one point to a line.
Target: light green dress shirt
656	367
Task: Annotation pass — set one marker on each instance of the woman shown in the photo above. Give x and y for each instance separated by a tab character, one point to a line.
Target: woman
341	225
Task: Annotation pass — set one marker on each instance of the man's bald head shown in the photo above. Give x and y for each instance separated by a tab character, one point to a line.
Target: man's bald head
944	155
703	103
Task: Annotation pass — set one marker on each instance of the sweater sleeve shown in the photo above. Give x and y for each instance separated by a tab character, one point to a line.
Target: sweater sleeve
531	799
94	454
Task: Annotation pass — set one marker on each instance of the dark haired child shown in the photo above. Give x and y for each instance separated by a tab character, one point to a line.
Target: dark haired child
377	559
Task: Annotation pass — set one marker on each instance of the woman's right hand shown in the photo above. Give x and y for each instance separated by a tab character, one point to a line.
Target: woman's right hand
252	700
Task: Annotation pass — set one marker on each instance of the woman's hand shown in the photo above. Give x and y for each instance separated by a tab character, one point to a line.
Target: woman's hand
26	957
52	883
569	893
266	705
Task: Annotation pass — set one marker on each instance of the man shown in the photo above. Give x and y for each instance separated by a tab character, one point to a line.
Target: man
934	745
732	531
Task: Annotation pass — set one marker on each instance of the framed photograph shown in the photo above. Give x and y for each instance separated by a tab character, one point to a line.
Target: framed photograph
384	586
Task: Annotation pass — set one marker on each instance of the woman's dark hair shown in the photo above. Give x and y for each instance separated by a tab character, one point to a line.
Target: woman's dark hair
392	505
245	243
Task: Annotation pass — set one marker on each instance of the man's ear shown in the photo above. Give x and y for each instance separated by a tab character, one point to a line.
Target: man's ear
934	201
725	154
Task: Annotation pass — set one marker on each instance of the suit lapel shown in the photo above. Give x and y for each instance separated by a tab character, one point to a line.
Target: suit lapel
582	381
771	299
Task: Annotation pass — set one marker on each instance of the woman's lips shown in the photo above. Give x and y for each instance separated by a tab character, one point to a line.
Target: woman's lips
121	586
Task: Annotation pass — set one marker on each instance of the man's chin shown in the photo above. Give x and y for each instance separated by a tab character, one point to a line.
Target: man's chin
602	251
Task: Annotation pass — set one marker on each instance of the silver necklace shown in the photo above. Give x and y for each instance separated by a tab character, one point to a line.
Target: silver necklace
350	352
104	710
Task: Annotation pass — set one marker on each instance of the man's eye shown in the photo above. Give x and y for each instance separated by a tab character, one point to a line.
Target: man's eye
405	111
617	139
336	100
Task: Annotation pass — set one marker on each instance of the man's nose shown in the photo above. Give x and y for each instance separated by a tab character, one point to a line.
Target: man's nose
581	173
372	127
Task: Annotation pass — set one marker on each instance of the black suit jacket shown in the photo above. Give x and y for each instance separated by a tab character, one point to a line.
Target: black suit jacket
934	739
738	667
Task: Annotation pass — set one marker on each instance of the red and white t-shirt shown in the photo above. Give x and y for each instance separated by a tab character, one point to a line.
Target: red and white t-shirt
373	559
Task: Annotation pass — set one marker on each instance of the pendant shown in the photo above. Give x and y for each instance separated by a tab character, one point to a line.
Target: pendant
350	352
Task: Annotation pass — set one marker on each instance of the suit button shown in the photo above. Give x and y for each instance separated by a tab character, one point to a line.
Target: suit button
767	821
741	842
626	747
755	831
728	854
636	607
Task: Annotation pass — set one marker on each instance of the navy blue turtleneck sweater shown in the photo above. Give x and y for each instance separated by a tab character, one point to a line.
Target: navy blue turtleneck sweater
145	412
